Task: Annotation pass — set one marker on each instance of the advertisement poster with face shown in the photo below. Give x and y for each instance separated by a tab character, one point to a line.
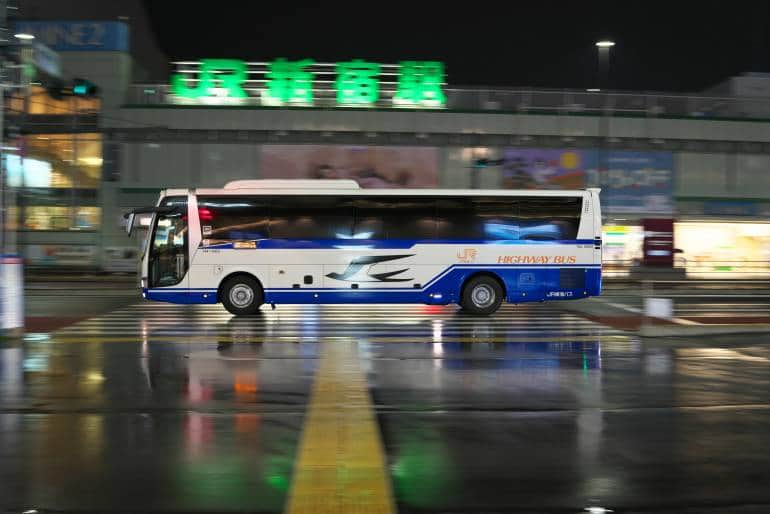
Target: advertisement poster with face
370	166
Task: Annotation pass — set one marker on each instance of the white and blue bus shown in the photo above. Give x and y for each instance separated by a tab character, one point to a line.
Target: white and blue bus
274	242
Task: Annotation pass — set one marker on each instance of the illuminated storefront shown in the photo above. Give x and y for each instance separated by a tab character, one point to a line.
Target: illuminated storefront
622	248
724	250
57	177
55	174
709	249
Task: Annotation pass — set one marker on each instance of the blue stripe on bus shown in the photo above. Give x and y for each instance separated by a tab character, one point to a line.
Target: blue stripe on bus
522	284
386	244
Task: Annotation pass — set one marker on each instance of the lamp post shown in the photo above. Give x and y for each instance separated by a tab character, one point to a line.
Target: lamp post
603	46
11	276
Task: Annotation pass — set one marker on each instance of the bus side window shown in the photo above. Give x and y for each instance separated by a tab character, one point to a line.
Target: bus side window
394	217
369	215
497	217
550	218
455	220
311	217
409	217
231	218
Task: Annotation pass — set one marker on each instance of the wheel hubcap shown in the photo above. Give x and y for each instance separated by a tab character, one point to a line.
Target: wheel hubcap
482	296
241	295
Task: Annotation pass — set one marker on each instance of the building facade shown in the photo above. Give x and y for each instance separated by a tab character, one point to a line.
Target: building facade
703	161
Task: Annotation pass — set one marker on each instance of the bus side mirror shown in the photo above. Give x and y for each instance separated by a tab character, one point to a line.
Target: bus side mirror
129	222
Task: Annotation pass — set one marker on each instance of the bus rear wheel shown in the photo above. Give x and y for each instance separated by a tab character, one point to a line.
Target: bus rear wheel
241	295
482	295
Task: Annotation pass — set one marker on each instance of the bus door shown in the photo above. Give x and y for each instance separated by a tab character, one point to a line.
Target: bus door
168	255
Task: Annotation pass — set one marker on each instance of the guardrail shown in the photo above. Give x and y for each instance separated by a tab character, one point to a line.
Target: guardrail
573	102
694	269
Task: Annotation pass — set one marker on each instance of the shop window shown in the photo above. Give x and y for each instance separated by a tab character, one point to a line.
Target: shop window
75	160
12	219
39	102
723	250
61	218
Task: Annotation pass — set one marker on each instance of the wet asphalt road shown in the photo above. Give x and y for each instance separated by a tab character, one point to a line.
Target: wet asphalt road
156	407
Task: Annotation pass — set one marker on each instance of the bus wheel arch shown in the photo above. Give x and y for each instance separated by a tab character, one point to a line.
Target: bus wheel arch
482	293
241	293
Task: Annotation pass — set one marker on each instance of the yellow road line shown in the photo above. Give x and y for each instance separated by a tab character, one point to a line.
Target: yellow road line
341	465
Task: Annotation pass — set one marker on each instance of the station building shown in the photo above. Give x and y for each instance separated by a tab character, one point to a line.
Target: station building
701	160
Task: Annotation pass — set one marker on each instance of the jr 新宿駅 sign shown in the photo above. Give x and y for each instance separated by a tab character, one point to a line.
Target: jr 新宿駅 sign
305	83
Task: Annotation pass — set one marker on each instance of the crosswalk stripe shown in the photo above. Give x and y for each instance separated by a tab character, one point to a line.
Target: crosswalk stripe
310	323
300	339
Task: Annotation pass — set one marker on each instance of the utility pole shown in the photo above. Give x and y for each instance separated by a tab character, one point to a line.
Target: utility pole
4	40
11	267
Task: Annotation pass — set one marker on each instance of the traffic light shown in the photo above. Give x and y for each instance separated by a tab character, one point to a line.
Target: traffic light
54	87
83	87
483	163
59	89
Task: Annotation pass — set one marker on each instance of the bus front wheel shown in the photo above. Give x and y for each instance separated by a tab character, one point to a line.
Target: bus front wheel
482	295
241	295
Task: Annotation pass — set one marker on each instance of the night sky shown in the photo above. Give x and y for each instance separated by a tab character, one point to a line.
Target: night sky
661	46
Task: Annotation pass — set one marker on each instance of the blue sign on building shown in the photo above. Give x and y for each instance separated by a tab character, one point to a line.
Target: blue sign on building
731	207
641	182
78	36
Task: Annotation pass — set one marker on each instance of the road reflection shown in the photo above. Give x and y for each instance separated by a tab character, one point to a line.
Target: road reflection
204	412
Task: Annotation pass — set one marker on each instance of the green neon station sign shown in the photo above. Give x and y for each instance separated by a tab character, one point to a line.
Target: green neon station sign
357	83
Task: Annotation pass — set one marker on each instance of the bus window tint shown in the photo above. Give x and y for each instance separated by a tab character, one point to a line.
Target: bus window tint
408	218
497	217
549	218
231	218
174	201
455	220
369	218
311	217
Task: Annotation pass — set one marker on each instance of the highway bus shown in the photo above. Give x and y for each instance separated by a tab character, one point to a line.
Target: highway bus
258	242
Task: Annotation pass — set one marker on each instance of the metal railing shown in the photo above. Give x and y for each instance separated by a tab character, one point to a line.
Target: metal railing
708	270
573	102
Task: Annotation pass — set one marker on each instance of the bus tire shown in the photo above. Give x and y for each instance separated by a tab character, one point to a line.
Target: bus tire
482	295
241	295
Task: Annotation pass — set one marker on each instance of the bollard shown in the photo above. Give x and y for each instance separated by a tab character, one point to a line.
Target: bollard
655	308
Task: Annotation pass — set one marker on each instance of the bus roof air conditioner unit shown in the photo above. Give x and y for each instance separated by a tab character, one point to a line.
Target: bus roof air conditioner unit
293	184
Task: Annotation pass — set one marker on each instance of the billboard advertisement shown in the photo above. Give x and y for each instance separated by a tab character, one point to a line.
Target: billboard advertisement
637	182
370	166
78	36
544	168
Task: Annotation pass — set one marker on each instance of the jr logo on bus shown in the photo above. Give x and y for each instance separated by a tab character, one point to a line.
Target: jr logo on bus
467	255
359	270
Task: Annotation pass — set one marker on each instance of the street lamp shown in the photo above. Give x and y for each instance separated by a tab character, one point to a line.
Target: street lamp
603	46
